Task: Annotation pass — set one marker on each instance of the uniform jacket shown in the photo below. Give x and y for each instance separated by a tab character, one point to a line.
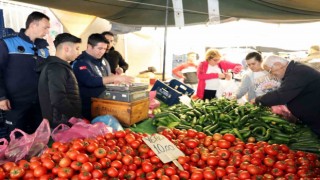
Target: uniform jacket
89	72
300	91
19	57
58	92
203	76
114	59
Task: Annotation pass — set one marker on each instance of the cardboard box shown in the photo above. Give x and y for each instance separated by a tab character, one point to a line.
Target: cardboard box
127	113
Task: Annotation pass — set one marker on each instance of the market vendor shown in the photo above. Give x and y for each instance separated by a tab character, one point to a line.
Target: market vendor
299	90
92	72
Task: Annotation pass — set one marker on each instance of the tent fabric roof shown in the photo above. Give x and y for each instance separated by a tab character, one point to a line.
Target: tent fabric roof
152	12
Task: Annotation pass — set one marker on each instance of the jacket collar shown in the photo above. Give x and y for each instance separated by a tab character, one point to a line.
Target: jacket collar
40	43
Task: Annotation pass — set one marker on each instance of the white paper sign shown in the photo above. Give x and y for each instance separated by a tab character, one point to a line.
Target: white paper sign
163	148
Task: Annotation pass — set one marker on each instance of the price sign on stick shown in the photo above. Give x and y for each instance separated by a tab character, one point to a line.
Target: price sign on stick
164	149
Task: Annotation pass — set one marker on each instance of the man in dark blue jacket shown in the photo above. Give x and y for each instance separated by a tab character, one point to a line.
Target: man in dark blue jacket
92	72
19	57
299	90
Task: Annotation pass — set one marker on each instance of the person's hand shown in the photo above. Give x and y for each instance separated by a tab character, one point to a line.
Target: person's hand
5	105
119	70
222	76
228	76
237	69
123	79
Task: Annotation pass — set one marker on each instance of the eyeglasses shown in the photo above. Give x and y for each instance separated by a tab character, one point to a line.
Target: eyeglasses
270	69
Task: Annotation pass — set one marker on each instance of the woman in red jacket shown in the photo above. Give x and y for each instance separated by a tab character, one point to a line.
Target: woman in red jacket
211	71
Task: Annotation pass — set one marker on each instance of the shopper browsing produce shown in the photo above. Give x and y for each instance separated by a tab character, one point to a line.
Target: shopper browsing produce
58	86
211	71
93	71
257	81
299	90
19	56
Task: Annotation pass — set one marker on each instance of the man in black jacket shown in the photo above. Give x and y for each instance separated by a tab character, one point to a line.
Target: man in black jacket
58	86
117	64
299	90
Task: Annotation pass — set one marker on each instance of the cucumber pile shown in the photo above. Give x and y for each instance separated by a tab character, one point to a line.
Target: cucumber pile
227	116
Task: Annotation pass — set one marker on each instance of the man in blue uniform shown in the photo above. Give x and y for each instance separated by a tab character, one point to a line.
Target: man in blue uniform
19	57
93	71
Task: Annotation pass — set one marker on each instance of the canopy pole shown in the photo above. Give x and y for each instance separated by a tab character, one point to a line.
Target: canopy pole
165	42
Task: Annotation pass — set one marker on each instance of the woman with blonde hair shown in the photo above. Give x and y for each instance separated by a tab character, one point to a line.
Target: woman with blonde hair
211	71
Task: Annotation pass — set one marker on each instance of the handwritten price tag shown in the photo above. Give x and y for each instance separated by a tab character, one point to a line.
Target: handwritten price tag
163	148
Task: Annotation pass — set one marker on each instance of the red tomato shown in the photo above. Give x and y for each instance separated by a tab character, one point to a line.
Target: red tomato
130	138
244	175
76	165
224	144
231	169
48	163
65	172
253	169
39	171
100	153
147	167
224	153
82	158
120	134
277	172
85	175
280	165
229	137
209	174
220	172
7	166
196	176
65	162
192	133
117	164
112	172
212	160
268	161
184	174
87	166
151	175
16	172
170	171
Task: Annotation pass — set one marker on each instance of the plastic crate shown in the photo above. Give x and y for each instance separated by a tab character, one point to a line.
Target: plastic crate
181	87
165	93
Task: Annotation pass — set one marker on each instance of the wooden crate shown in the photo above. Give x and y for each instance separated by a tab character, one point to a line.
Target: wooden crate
127	113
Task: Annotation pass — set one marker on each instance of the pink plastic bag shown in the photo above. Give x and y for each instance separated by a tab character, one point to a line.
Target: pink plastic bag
3	147
28	145
153	102
64	133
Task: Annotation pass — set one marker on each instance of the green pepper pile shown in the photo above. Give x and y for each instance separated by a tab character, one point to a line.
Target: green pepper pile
227	116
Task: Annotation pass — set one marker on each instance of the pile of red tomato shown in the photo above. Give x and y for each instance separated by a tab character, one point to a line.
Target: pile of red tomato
123	155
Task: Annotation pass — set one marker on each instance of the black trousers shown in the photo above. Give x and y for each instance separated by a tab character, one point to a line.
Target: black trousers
26	117
209	94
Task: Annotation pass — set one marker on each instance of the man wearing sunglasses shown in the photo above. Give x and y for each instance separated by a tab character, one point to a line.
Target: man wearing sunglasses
299	90
19	57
